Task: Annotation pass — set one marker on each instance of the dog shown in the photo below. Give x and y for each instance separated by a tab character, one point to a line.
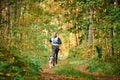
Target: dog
51	61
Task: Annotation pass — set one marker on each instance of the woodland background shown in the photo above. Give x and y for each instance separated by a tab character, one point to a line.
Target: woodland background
89	30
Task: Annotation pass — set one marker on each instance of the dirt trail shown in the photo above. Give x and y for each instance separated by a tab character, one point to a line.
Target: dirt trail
83	69
47	74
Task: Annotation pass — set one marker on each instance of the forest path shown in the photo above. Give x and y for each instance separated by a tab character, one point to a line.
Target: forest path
47	73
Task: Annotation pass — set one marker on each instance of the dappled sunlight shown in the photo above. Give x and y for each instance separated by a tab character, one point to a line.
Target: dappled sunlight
87	38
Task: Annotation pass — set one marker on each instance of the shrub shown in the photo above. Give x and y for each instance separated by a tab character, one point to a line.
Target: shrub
19	66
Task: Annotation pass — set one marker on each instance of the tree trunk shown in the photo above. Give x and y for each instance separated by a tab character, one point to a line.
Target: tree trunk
0	13
15	10
90	32
0	17
111	33
69	42
76	38
111	42
8	21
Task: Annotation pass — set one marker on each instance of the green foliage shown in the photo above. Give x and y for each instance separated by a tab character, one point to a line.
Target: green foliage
62	3
24	67
23	39
33	1
79	52
28	52
109	66
102	67
74	52
69	70
116	70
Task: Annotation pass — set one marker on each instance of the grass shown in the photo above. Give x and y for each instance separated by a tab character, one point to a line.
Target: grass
102	67
107	66
69	70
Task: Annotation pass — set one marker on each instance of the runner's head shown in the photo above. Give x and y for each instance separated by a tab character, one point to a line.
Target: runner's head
54	34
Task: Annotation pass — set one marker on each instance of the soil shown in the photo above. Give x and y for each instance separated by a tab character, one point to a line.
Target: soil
47	74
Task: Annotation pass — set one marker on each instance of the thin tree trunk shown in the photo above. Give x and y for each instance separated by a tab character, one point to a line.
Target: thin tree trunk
90	32
107	46
0	13
69	42
0	17
76	39
111	42
8	20
111	33
15	10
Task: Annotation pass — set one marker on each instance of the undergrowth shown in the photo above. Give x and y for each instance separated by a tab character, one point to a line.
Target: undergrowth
109	65
69	70
17	66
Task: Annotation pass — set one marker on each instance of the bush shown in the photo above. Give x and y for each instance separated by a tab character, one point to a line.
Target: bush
19	66
102	67
74	53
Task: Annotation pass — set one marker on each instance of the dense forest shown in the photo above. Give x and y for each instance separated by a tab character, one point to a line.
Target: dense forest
89	30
